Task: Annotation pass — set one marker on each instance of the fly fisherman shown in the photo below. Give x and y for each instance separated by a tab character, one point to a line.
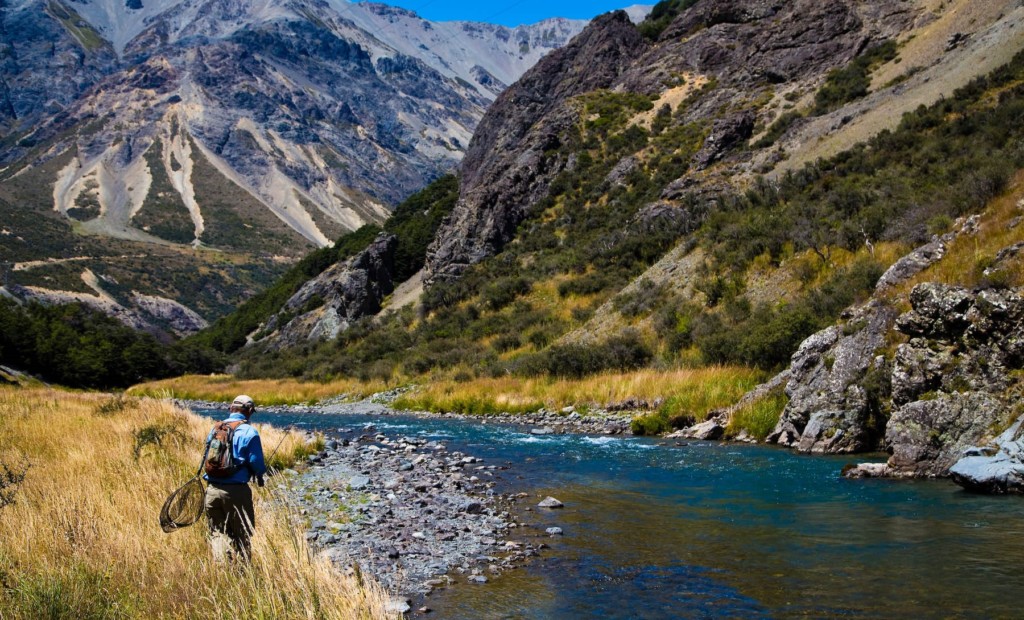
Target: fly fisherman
234	456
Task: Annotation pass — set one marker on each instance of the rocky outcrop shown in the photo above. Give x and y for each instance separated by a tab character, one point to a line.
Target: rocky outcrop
726	133
344	293
514	156
923	257
836	385
744	41
949	382
955	384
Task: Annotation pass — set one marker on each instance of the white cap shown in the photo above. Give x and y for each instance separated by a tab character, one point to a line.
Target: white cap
243	401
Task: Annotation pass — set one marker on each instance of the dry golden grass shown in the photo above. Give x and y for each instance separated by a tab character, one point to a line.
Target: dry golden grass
518	395
82	538
969	255
264	391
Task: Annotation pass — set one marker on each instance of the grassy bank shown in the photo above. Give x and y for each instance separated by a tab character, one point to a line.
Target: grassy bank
698	389
80	538
263	391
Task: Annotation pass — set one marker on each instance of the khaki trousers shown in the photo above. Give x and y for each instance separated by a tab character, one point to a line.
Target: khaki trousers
231	518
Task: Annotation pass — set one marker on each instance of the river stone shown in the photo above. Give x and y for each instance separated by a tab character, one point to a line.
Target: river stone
358	482
708	430
550	502
398	605
545	430
868	470
554	531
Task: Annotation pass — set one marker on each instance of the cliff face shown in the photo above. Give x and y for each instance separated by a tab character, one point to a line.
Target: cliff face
508	165
746	46
951	385
745	41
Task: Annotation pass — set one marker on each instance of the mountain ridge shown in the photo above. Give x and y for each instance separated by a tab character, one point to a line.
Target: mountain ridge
176	123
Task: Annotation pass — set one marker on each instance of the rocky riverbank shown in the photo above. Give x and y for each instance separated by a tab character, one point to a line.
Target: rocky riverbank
410	511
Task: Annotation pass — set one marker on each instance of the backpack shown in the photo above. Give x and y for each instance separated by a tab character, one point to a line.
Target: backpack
220	461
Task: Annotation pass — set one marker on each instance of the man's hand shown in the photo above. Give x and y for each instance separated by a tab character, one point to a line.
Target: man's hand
259	481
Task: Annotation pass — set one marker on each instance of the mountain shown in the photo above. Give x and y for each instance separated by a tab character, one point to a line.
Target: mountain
187	151
828	192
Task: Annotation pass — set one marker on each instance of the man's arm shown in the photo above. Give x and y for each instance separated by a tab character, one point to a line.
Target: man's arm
254	461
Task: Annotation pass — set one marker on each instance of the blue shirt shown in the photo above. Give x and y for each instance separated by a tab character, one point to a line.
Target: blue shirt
246	450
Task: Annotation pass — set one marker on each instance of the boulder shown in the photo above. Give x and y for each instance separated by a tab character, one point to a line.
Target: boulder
927	437
550	502
398	605
358	482
708	430
995	468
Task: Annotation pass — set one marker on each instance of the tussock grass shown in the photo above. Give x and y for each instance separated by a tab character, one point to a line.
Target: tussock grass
264	391
759	417
967	256
697	393
82	537
698	389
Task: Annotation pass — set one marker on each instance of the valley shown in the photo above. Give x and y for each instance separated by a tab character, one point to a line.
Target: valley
714	273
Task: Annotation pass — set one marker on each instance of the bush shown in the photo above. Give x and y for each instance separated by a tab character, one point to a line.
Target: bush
648	424
851	82
505	291
625	351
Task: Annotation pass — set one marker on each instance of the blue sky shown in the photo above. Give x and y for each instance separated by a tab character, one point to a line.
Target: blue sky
511	12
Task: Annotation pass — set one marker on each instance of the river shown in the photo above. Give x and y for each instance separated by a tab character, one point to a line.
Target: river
658	530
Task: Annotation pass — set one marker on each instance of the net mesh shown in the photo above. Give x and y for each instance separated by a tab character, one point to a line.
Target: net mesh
183	507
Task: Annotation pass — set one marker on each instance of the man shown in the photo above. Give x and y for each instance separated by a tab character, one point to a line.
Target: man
229	509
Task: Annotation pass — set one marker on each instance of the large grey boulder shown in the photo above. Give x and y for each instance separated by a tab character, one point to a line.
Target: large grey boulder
996	468
928	436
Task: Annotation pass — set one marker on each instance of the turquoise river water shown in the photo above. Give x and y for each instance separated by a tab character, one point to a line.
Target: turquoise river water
707	530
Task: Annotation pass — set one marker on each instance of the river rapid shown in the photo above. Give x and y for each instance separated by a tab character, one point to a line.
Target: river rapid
654	529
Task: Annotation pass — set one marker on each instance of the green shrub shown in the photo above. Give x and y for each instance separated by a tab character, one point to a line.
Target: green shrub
852	81
625	351
648	424
505	291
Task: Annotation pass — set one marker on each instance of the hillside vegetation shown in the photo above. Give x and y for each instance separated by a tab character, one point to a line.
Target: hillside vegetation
79	533
658	249
825	234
